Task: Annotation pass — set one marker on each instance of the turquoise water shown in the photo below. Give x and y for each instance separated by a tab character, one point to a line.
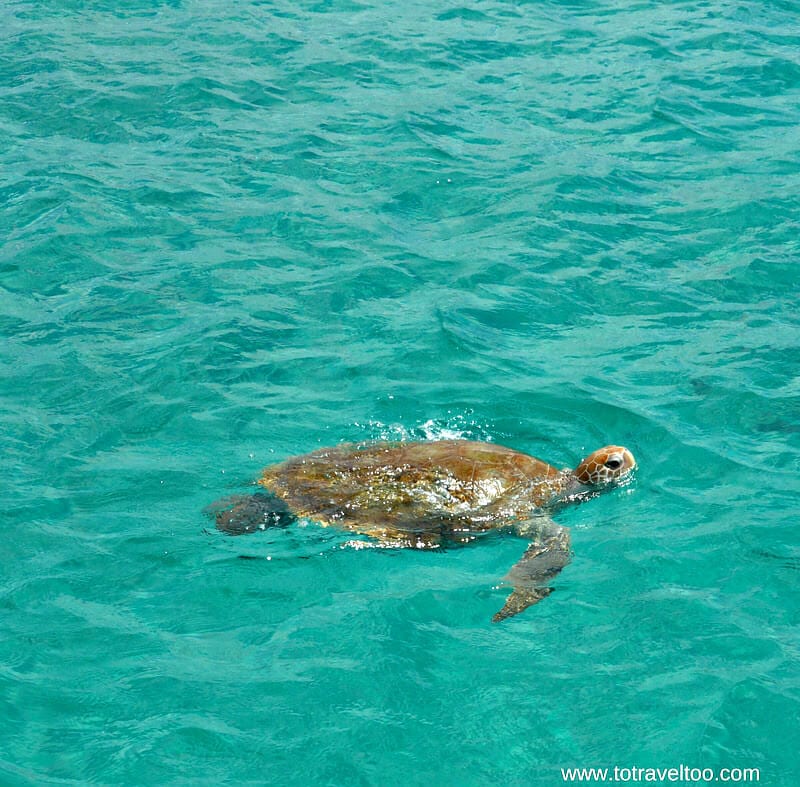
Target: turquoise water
231	233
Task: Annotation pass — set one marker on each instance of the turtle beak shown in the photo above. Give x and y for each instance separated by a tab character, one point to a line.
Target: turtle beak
629	472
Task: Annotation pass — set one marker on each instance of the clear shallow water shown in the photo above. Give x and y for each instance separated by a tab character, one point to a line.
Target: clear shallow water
229	235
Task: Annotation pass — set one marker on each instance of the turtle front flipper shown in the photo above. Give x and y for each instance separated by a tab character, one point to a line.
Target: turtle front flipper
240	514
542	560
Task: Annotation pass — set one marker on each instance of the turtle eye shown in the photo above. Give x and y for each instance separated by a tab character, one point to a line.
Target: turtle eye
614	463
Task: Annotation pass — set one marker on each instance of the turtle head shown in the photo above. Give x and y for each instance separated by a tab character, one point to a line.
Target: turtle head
606	466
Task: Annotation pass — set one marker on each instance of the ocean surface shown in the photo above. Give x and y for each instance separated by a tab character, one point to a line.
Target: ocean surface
235	232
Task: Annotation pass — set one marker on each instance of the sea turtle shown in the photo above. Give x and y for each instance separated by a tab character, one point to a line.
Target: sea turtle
426	495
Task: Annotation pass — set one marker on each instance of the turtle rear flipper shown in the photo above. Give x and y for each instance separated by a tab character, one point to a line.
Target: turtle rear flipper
542	560
240	514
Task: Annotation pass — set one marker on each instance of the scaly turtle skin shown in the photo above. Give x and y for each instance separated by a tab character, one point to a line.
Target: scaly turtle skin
425	495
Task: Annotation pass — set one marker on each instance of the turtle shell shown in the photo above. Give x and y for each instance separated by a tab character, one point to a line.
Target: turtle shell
418	493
